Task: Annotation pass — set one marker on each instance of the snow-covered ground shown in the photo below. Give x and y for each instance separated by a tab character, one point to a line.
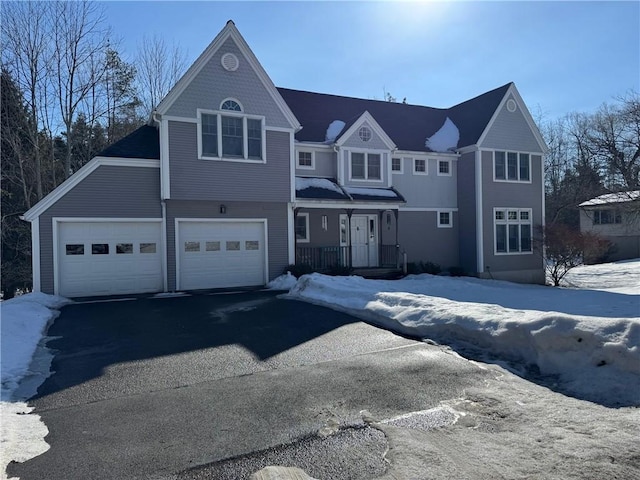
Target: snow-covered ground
23	322
588	339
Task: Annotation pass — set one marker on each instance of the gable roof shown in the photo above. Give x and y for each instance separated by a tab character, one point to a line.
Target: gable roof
351	127
229	31
408	126
141	143
612	198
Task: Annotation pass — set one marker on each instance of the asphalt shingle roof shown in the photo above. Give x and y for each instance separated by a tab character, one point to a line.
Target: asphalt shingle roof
141	143
407	125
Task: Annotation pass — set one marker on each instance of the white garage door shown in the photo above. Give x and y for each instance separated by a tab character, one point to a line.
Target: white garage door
216	254
109	258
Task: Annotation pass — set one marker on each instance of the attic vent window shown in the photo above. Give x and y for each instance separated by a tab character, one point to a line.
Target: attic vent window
511	105
365	134
231	105
230	62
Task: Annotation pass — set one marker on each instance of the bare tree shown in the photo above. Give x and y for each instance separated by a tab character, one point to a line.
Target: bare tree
159	68
80	39
26	33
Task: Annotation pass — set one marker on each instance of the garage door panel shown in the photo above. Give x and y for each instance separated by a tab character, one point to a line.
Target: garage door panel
221	254
112	260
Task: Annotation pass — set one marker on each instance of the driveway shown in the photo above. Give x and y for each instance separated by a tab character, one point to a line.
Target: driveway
166	387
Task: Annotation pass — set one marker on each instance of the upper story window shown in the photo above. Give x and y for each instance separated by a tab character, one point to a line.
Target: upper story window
396	165
606	217
444	219
231	135
364	133
512	227
366	166
511	166
420	166
444	167
306	160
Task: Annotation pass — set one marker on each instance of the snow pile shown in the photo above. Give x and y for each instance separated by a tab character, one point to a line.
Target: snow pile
608	198
23	321
371	192
591	342
444	140
283	282
334	130
303	183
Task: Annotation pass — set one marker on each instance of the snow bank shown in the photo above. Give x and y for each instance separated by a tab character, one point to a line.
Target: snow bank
283	282
619	277
333	130
444	140
596	356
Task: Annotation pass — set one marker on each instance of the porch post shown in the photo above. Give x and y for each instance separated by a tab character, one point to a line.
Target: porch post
396	214
349	213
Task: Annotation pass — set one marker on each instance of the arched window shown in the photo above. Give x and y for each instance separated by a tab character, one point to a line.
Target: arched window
231	105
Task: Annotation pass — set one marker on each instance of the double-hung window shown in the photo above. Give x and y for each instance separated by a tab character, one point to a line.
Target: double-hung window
366	166
230	134
605	217
511	166
512	227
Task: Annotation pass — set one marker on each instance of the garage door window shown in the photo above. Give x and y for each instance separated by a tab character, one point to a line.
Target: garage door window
147	248
124	248
252	245
232	246
100	249
213	246
74	249
191	246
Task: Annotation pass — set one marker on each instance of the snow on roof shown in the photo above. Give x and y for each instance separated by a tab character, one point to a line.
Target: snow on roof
619	197
372	192
334	129
444	140
303	183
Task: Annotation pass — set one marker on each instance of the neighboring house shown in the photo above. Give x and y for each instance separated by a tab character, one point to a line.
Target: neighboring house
615	217
233	179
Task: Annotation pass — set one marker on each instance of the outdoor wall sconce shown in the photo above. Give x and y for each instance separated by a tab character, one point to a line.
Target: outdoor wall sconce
223	209
324	222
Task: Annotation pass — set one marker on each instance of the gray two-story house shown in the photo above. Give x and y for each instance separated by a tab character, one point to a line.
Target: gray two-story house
233	179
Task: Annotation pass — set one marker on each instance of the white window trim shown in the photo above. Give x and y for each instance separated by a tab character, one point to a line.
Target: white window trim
245	117
307	239
440	174
397	172
313	159
366	167
507	222
445	225
506	156
426	166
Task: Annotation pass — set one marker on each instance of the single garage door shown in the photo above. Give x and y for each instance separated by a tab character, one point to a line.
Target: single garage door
220	254
109	258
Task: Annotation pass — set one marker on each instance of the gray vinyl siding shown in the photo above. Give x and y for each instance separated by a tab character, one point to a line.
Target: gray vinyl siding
384	165
326	165
108	192
515	195
430	190
194	179
375	143
510	131
213	84
466	181
277	221
423	241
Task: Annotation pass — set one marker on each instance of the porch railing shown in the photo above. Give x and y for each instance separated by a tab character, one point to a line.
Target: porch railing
324	258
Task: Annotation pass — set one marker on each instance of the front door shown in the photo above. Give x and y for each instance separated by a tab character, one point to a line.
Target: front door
364	241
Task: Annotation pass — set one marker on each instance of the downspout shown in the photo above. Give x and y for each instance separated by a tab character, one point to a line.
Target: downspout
165	274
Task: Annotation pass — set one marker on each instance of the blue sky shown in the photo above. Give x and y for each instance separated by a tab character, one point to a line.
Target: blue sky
563	56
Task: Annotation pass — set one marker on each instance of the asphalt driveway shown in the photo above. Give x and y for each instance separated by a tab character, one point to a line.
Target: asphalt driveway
159	387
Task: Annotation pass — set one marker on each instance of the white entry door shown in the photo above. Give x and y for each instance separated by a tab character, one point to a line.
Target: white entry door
108	257
364	241
221	254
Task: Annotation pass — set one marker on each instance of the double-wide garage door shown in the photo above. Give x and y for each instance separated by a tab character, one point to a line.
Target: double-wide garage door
109	258
220	254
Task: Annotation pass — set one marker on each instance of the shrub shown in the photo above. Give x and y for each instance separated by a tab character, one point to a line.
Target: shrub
456	272
338	270
299	269
414	268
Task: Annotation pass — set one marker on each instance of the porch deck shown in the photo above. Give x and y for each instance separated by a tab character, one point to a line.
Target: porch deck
323	259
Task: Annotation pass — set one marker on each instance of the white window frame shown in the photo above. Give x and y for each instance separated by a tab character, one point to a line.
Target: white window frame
366	166
506	166
313	160
445	225
506	221
401	171
426	166
307	239
448	174
616	216
245	134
